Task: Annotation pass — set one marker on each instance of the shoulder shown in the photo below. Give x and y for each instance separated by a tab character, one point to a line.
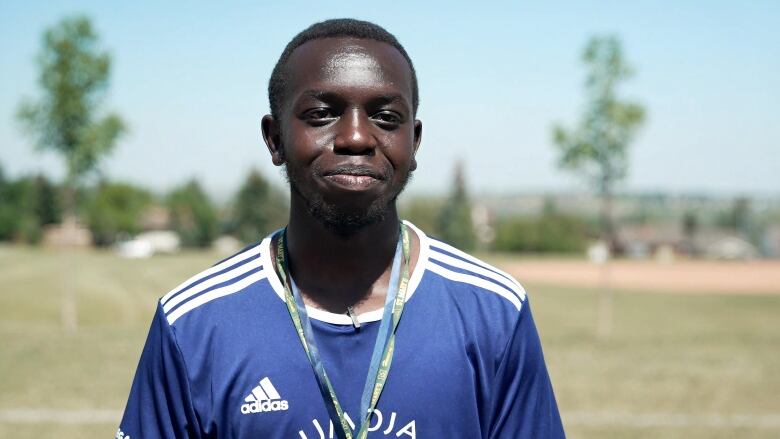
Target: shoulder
459	270
222	283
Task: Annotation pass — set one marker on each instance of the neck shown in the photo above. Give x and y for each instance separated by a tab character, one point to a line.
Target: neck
335	271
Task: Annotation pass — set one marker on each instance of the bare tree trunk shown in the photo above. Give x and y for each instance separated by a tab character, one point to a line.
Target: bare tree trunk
608	229
604	312
605	304
68	308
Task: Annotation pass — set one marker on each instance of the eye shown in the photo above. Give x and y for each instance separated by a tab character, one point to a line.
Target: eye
388	118
318	116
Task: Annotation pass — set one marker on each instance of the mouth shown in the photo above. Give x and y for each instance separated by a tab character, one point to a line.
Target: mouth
354	178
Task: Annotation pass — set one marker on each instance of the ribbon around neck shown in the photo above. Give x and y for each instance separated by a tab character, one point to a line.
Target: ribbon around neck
382	356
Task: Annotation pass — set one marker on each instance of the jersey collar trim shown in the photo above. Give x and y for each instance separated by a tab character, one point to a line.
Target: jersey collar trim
343	319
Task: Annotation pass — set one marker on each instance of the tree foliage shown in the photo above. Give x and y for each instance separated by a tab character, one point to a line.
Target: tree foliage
116	209
455	225
548	233
26	205
193	216
258	208
73	78
424	212
737	217
597	148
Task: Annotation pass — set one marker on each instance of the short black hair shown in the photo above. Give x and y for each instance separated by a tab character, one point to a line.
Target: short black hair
339	27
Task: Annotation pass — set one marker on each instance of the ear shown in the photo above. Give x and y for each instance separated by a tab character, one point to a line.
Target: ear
416	143
273	139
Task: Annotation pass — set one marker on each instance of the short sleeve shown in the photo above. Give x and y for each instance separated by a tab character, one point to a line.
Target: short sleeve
523	403
160	402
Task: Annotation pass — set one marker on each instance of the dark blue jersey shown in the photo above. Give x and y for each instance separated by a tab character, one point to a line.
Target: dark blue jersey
223	360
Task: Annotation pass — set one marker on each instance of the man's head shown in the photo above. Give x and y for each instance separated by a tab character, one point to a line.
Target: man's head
336	28
342	122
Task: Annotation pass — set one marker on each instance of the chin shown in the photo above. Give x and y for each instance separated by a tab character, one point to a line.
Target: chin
342	217
347	221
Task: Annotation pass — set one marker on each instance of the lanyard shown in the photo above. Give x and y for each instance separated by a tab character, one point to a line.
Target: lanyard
384	346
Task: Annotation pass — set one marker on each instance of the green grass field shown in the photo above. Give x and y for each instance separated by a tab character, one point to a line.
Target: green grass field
678	366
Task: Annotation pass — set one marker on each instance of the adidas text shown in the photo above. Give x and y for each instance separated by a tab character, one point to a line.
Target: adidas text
264	406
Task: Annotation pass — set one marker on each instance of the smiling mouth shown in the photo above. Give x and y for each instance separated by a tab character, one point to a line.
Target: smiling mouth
354	178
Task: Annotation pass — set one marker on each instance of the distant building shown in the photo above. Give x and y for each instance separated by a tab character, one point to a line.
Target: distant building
156	218
146	244
645	240
161	241
770	243
69	233
134	249
226	245
481	218
730	248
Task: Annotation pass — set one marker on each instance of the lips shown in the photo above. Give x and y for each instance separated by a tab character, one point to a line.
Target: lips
353	177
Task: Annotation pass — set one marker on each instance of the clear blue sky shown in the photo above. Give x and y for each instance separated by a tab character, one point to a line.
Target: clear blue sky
190	80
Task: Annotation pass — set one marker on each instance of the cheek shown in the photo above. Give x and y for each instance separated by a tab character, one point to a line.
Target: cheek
305	144
401	154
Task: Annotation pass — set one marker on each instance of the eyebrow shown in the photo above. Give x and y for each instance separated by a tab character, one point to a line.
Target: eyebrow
389	99
382	99
319	95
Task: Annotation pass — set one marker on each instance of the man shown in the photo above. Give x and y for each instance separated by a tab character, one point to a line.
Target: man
348	323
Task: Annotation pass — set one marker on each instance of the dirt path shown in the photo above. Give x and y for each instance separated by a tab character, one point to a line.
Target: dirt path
680	276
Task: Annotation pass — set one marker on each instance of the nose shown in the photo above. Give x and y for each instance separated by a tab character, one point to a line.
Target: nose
354	136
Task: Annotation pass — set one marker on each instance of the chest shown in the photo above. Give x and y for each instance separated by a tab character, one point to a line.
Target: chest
266	388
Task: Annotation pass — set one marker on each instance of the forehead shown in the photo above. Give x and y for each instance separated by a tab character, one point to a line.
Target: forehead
348	65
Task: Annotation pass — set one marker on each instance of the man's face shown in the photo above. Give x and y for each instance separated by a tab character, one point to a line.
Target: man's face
347	130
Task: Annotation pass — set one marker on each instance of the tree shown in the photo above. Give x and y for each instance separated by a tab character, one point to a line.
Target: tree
48	205
424	212
598	147
73	77
690	226
17	211
115	209
258	208
193	216
455	224
552	231
737	217
27	204
546	234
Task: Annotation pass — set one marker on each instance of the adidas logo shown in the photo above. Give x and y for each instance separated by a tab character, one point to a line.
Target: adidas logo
264	398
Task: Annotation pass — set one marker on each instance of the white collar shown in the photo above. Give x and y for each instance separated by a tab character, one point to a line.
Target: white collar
343	319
